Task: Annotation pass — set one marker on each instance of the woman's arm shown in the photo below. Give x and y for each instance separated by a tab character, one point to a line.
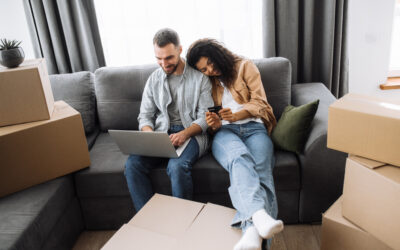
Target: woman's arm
258	105
226	114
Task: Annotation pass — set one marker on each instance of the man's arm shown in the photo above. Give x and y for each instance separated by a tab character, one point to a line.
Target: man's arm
180	137
148	108
147	129
205	101
199	125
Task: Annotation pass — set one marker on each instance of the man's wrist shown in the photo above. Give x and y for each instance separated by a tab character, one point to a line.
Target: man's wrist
147	129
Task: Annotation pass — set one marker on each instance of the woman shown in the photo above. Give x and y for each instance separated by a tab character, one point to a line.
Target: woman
241	143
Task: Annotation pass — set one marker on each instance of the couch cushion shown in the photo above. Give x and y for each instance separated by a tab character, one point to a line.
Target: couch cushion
276	77
77	89
105	176
119	93
28	217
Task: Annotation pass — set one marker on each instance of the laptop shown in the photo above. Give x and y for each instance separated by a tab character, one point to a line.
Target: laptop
156	144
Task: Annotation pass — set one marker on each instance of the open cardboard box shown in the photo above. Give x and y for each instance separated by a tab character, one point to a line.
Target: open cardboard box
371	198
339	233
171	223
365	126
25	93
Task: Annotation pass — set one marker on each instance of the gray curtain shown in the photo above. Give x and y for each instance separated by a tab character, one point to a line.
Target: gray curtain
312	34
66	34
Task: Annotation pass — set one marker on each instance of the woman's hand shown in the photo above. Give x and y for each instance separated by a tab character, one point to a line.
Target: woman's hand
227	115
213	120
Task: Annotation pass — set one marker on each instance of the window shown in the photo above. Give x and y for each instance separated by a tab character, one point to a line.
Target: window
394	66
127	27
13	25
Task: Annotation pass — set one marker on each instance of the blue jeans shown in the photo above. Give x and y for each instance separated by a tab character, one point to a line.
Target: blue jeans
247	153
137	170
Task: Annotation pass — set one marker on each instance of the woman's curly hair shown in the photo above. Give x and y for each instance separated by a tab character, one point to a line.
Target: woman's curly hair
221	58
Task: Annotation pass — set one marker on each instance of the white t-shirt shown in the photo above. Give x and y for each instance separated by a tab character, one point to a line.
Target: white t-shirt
229	102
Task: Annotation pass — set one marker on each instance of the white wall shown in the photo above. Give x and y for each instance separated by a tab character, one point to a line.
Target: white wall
13	25
370	27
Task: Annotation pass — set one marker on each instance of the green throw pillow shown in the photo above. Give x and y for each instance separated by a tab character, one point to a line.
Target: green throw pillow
293	127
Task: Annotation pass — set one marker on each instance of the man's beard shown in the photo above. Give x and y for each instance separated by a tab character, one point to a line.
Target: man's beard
174	69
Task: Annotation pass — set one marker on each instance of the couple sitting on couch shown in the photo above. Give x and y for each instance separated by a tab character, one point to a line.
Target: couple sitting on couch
176	98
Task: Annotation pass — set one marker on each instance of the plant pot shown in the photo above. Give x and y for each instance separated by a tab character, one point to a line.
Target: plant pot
11	58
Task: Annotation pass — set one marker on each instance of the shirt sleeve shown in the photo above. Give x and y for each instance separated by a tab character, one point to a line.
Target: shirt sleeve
205	101
148	107
257	105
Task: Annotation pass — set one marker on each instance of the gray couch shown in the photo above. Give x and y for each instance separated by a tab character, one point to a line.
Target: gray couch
97	198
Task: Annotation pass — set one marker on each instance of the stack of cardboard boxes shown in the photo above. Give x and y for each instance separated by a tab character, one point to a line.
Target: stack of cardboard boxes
367	216
39	139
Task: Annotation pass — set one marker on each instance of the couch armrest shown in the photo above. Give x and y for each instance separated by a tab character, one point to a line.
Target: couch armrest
322	169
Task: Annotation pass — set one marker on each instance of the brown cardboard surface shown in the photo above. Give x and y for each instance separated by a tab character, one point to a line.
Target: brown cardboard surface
177	224
367	162
32	153
371	200
211	230
25	93
339	233
365	126
130	237
167	215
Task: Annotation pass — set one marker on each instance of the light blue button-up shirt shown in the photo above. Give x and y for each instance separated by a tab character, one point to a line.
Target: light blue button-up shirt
194	97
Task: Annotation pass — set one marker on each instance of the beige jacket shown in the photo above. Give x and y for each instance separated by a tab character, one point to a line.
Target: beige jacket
248	90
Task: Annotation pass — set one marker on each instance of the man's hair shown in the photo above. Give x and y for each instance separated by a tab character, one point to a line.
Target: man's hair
221	58
166	36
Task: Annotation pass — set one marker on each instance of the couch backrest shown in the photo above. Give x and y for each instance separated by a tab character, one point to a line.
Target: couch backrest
119	90
119	93
77	89
276	75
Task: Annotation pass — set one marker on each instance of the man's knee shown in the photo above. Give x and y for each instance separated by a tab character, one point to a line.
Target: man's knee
134	164
179	168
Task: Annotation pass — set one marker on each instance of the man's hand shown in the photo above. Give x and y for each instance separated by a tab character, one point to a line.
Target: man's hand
147	129
179	138
227	115
213	121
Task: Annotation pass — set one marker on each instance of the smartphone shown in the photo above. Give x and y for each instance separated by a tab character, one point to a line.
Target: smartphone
215	109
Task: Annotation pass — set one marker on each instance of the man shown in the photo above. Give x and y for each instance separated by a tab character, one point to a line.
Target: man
174	100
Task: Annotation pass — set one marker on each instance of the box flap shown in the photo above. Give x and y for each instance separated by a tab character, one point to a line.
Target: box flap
211	230
366	162
390	172
167	215
130	237
61	111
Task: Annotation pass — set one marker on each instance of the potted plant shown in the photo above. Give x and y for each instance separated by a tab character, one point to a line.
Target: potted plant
11	55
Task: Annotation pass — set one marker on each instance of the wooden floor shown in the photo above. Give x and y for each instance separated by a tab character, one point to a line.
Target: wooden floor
293	237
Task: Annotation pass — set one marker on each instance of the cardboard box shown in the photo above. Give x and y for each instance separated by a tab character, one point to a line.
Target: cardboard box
365	126
32	153
170	223
339	233
25	93
371	198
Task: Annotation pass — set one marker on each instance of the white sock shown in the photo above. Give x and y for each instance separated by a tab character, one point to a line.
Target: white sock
265	224
250	240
